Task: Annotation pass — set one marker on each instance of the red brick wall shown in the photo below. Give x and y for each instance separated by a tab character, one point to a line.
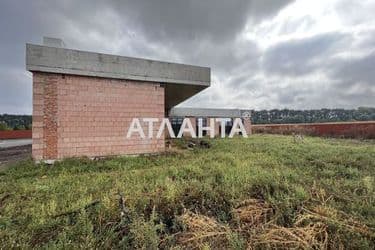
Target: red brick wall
15	134
247	125
339	129
90	116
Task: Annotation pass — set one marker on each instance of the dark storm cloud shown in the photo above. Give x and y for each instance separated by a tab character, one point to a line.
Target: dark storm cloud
212	33
200	32
185	21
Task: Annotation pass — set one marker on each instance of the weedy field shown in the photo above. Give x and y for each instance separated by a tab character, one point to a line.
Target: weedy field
266	191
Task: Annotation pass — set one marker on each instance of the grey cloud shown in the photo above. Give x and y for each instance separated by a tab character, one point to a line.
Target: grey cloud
340	96
291	25
354	80
355	12
199	32
367	39
299	57
353	71
15	92
207	33
288	96
196	20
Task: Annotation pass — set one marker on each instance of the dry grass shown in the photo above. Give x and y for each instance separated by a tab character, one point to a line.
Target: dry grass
327	215
200	230
312	236
310	231
258	225
252	213
255	221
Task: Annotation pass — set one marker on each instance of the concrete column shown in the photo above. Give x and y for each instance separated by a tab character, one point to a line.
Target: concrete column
45	119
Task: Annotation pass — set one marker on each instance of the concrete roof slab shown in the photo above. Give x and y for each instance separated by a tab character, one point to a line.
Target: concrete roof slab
181	81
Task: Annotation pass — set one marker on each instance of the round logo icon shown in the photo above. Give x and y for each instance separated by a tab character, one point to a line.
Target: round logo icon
246	115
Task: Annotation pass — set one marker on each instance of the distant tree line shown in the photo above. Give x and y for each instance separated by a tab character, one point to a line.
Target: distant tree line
274	116
15	122
282	116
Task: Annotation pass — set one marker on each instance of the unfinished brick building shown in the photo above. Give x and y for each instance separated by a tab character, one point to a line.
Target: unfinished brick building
83	102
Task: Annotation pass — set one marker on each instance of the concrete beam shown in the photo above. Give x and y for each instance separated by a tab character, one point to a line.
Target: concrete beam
68	61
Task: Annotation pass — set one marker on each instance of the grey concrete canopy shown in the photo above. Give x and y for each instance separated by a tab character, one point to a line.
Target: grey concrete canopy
207	112
181	81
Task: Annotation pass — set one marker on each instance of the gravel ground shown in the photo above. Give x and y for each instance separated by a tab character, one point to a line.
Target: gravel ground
13	154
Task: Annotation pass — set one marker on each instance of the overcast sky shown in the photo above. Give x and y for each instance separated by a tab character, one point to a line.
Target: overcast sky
263	54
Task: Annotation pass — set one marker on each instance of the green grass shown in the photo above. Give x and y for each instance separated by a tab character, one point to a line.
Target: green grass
36	200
